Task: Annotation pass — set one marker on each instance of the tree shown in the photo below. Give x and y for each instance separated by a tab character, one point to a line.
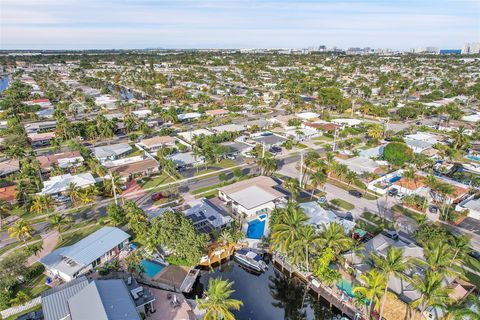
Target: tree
334	237
116	214
267	164
217	302
73	191
288	229
324	272
21	298
41	204
317	179
293	186
21	230
373	288
375	131
5	209
460	138
305	244
12	267
397	153
111	183
393	264
431	289
351	177
59	222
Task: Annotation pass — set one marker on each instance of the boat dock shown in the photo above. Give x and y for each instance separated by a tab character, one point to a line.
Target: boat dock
216	254
334	298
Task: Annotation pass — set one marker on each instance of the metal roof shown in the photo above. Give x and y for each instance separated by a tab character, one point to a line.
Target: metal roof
95	245
55	301
254	196
111	150
103	300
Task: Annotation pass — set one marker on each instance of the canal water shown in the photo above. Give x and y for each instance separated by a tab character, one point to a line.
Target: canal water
268	296
4	81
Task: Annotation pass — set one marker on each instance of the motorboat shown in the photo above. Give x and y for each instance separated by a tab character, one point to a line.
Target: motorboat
250	259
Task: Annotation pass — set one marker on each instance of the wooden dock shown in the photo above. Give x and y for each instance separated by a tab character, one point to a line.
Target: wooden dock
216	254
326	293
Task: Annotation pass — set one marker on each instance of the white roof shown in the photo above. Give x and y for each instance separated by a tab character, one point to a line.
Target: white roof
253	196
182	159
229	128
308	115
319	216
360	164
189	135
472	118
187	116
60	183
422	136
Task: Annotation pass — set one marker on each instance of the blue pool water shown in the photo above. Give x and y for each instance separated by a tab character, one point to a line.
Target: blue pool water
474	158
394	179
345	286
256	228
151	268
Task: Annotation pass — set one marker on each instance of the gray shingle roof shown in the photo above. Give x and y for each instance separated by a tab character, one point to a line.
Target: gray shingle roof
95	245
55	301
103	300
111	150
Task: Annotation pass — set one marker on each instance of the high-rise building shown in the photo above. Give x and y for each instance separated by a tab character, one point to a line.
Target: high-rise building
471	48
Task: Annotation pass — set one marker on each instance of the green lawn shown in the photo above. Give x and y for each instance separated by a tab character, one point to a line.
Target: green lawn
343	204
208	195
34	287
407	212
225	163
346	187
71	238
164	178
36	308
323	138
377	219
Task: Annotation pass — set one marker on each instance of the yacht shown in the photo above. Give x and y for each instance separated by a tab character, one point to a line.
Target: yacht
250	259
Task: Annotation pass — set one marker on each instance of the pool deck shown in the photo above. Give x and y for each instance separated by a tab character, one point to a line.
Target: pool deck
329	294
165	310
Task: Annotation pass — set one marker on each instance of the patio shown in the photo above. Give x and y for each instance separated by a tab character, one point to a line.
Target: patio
170	306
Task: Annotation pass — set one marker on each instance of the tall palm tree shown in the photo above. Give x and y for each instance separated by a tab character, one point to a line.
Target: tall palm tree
268	165
293	186
375	131
217	302
5	210
287	230
439	258
394	264
460	138
21	230
307	242
334	237
460	246
372	288
317	179
110	184
432	291
73	191
59	222
351	177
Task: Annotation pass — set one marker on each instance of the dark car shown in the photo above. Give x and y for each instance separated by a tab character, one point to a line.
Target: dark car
275	150
433	209
157	196
355	193
393	192
475	254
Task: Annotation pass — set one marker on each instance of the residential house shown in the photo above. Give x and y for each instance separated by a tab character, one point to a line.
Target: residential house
253	196
472	204
41	139
112	152
59	184
62	160
267	139
185	160
9	167
83	299
321	218
347	122
189	136
206	216
155	143
420	141
361	165
185	117
68	263
229	128
129	169
37	127
216	112
8	193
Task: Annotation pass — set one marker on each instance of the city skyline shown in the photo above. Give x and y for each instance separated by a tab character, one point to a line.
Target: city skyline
237	24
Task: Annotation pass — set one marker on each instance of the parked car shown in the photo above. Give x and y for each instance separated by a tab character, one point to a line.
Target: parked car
157	196
393	192
322	199
400	196
275	150
355	193
433	209
475	254
231	156
392	234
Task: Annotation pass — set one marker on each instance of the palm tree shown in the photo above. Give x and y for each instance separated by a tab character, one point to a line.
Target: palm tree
351	177
334	237
60	222
393	264
439	258
217	302
110	184
375	131
73	191
5	209
317	179
287	230
460	138
432	291
267	164
372	288
301	247
460	246
293	186
21	230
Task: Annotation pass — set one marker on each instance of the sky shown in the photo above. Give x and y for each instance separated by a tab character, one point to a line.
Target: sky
138	24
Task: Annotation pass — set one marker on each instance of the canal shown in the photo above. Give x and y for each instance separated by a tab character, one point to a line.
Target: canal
4	82
271	295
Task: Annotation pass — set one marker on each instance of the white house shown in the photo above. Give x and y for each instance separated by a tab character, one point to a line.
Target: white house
72	261
253	196
59	184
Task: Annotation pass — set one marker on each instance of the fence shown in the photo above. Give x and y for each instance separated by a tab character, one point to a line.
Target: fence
16	310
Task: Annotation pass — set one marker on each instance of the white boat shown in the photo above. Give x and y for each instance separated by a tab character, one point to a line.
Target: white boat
250	259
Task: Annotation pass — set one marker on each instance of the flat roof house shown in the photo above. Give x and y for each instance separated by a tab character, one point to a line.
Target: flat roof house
82	299
59	184
207	217
111	152
253	196
72	261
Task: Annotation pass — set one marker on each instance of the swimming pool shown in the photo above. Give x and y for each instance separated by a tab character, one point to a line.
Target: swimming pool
256	228
151	268
346	286
394	179
474	158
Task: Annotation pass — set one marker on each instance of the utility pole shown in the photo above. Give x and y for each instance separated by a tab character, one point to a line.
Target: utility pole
113	187
301	170
263	150
334	140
